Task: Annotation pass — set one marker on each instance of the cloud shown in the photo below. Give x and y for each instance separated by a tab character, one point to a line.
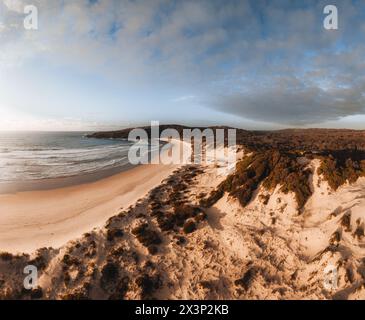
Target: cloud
263	61
15	120
183	98
301	105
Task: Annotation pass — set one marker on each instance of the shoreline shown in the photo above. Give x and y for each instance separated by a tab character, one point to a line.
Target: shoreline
61	182
31	220
13	187
34	219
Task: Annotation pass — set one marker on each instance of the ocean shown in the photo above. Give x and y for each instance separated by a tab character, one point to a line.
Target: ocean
34	156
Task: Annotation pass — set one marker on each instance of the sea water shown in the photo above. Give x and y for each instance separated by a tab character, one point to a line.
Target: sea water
28	156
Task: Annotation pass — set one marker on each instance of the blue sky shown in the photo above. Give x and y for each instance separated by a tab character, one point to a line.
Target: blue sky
106	64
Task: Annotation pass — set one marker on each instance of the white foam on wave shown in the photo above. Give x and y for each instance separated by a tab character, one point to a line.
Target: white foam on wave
30	164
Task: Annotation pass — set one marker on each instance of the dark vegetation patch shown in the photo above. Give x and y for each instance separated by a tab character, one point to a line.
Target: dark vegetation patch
180	216
80	293
305	141
270	168
359	232
121	289
166	221
5	256
36	293
246	281
124	252
189	226
184	212
264	198
180	240
341	166
114	233
91	249
148	284
335	238
169	202
113	280
346	221
146	235
70	260
40	259
152	249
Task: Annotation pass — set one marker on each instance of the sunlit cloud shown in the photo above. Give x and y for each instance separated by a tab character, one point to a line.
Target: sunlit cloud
271	63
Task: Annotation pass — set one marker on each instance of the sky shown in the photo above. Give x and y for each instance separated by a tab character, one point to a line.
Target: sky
108	64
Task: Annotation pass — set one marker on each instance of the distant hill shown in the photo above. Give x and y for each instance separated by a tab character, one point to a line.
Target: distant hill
304	140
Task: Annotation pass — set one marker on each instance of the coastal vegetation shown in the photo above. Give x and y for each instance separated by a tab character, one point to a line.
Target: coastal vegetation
269	168
275	160
126	259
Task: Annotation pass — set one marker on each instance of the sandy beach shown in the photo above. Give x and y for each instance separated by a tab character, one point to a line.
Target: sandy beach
148	223
35	219
50	218
189	152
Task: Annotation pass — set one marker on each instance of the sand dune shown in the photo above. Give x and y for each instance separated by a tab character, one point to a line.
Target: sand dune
265	250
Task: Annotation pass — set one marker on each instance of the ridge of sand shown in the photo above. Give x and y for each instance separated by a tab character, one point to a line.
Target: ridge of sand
261	251
266	250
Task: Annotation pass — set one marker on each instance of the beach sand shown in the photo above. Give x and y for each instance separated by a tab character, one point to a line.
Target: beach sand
50	218
266	250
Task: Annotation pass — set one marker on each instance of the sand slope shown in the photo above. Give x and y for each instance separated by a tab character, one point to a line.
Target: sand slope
266	250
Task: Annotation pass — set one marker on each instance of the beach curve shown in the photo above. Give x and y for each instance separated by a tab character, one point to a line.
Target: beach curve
50	218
